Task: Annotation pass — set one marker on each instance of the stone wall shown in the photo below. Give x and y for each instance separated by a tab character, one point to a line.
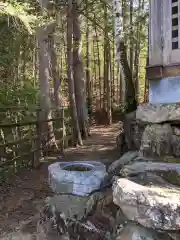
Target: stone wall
154	130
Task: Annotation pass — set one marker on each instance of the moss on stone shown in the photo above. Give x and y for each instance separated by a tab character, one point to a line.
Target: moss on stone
171	177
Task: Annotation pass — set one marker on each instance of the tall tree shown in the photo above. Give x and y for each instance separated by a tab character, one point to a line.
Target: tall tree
107	83
122	58
79	80
141	5
131	50
72	98
88	71
44	78
55	72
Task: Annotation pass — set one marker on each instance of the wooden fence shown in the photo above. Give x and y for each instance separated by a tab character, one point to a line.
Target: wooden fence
21	137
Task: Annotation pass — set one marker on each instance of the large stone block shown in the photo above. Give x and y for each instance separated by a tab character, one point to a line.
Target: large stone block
133	130
132	231
127	158
151	206
175	142
158	113
156	140
151	167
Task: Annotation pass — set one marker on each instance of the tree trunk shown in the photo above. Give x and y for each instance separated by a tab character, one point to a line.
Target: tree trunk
131	50
146	87
126	72
138	48
88	73
131	103
48	139
74	116
107	88
56	85
99	67
55	73
79	81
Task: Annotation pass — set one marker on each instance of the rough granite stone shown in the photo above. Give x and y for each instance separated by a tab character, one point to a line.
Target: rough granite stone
127	158
176	131
72	205
133	130
132	231
175	143
142	167
156	140
149	179
174	236
158	113
152	207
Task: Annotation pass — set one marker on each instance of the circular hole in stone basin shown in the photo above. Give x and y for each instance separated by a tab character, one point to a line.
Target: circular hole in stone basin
78	167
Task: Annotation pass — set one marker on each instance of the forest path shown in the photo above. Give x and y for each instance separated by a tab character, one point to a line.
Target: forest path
23	195
100	146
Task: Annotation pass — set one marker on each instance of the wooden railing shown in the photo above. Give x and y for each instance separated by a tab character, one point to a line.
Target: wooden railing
22	139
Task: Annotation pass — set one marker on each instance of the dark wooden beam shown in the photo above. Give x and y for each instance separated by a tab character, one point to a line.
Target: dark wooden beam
159	71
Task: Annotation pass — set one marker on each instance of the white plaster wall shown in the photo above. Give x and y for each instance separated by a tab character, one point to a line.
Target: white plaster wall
165	90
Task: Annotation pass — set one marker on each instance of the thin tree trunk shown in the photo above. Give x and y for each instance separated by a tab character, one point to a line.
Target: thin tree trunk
88	73
107	88
131	35
131	103
35	63
79	81
114	85
99	69
146	87
74	116
106	62
48	139
95	74
138	48
137	52
146	83
55	73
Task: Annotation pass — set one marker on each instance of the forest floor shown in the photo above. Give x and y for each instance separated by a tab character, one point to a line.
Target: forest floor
23	195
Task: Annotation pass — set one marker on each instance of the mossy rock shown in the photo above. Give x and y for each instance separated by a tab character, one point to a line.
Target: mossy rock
168	159
171	177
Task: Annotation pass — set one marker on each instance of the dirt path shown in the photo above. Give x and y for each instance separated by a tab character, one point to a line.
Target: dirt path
100	146
24	193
